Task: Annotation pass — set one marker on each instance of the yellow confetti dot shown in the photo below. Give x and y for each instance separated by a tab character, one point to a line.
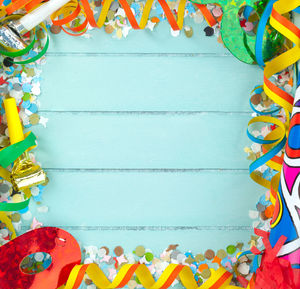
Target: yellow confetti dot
119	33
17	198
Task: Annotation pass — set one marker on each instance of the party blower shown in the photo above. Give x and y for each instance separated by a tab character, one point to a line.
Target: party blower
11	32
286	219
25	173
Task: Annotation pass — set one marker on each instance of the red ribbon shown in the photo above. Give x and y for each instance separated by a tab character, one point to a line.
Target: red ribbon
274	272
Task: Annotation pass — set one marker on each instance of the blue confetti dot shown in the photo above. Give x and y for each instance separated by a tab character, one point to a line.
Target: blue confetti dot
26	87
11	70
33	108
26	104
37	198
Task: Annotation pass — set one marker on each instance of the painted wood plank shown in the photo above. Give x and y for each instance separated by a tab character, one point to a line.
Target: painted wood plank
212	200
144	41
138	141
133	83
157	241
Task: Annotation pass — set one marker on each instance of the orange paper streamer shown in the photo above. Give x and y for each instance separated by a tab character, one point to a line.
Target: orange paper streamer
220	279
74	9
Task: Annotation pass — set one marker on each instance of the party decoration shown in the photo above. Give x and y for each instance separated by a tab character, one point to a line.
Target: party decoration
35	17
279	266
234	37
286	218
73	9
15	45
7	221
59	244
276	139
9	40
219	279
231	31
25	173
240	44
273	272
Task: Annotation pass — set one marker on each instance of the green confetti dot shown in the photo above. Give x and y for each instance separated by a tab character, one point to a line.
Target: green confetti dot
149	257
26	96
231	249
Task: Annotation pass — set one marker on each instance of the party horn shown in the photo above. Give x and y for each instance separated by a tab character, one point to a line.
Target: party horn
11	32
25	173
286	218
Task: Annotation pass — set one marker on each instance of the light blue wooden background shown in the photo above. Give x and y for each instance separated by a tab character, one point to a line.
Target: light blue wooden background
145	138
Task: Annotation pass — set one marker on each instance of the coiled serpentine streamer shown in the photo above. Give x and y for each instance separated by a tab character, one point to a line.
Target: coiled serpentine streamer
82	10
275	141
220	279
272	143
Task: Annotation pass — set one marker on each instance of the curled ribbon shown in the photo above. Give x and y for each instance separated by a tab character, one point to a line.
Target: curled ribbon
74	8
276	139
9	155
220	279
87	13
12	152
273	143
30	46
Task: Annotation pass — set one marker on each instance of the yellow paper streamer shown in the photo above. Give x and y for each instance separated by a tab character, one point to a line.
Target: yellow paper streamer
5	219
272	67
220	279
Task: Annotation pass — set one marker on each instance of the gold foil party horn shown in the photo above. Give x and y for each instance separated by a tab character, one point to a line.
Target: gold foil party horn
25	173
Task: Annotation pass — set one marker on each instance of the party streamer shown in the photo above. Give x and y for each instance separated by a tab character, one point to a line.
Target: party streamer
240	44
58	243
277	138
31	44
272	144
219	279
73	9
286	219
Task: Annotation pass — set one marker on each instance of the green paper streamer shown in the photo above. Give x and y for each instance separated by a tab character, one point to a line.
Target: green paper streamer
9	207
235	38
12	152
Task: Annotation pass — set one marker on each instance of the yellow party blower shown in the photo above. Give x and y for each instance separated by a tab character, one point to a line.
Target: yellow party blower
25	173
